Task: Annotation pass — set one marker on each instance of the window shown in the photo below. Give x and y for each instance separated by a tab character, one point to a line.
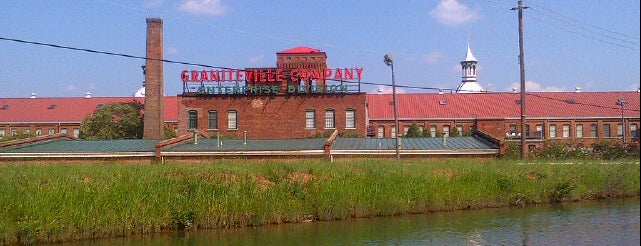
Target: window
433	131
232	119
552	131
380	132
393	135
3	133
329	119
606	131
421	129
52	131
459	130
634	132
579	130
593	130
310	119
619	130
63	131
350	119
527	130
566	131
446	131
38	131
406	129
14	132
539	131
512	129
76	132
212	122
26	131
192	119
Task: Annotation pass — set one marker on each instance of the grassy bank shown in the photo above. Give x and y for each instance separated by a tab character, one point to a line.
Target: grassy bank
58	202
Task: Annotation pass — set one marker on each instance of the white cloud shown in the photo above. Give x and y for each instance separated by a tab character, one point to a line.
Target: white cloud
386	90
206	7
433	57
534	86
153	3
453	13
257	58
172	50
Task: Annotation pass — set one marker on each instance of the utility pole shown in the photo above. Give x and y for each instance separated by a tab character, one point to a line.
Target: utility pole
520	8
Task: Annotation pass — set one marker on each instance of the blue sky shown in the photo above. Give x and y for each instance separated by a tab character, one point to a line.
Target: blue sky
592	44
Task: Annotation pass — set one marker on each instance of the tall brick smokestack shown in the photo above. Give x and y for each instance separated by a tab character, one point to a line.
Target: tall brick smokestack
154	82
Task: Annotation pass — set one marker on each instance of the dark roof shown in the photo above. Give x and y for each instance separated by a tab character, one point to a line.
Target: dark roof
503	105
85	146
252	145
450	143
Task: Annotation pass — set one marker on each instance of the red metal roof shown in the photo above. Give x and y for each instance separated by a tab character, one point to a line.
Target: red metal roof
503	105
300	49
66	109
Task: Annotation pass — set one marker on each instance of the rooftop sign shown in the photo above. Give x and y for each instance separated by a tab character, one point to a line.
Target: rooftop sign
263	81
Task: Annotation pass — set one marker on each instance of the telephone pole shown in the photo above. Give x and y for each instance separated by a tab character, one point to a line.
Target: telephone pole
520	8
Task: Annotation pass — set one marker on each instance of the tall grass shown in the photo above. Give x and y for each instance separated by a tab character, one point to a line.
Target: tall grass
59	202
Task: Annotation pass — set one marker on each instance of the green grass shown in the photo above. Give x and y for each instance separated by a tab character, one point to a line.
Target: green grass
61	202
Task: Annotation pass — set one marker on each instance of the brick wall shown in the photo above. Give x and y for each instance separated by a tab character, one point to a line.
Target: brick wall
272	117
154	81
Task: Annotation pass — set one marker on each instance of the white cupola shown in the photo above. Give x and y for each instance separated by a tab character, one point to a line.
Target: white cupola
469	83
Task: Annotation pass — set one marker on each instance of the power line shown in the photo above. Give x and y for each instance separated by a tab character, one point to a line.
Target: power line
585	23
219	67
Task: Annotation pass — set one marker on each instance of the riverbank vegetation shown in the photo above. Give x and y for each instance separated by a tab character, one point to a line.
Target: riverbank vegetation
58	202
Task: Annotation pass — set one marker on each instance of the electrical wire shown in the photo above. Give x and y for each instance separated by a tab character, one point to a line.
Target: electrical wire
219	67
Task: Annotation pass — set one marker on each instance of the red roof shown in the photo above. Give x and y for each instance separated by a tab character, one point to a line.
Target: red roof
299	50
67	109
503	105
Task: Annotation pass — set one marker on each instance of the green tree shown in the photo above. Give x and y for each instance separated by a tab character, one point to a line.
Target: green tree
414	131
114	121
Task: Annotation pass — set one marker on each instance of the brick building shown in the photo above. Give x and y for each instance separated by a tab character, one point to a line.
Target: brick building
579	117
300	98
52	115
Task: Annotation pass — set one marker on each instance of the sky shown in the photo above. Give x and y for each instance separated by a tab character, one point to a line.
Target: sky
591	44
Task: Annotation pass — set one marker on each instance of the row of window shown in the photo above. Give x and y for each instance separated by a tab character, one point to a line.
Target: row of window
310	119
566	131
330	119
38	132
212	119
380	131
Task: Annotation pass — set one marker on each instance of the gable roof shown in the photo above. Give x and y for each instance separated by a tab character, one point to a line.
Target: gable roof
67	109
299	50
503	105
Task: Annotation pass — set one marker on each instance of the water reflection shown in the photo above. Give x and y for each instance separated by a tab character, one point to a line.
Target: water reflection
614	222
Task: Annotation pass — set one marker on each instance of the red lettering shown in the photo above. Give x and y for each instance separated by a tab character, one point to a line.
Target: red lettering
294	75
231	74
239	76
279	74
270	75
349	74
359	72
304	74
204	76
328	73
194	76
338	75
316	73
184	76
213	75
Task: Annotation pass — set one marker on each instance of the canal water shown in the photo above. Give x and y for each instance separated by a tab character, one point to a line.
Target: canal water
612	222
